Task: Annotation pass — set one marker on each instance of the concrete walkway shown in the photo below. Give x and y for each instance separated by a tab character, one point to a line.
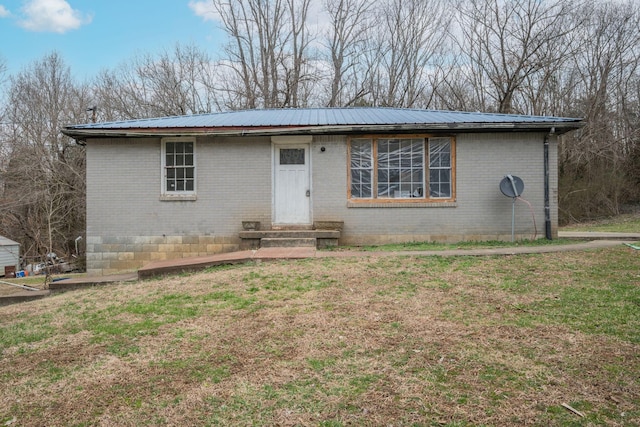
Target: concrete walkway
23	296
65	285
600	240
598	235
78	282
176	266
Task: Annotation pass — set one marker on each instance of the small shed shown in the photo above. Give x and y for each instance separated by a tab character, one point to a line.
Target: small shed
9	256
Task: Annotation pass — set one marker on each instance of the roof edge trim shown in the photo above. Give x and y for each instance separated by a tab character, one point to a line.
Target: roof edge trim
560	127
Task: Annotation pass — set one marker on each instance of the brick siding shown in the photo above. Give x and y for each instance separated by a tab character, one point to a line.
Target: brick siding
128	225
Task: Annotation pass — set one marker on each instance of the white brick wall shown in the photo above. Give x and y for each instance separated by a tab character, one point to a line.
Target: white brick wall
481	211
128	225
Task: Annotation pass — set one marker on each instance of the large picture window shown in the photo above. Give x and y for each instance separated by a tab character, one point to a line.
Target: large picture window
406	168
178	166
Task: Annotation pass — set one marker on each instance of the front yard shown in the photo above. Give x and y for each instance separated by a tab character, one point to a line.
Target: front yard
372	341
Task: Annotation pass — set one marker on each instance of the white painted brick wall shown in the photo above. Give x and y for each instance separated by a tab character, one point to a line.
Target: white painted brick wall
234	184
481	210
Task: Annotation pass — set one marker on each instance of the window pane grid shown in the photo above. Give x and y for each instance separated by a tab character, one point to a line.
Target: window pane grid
292	156
440	167
179	167
361	168
400	168
395	168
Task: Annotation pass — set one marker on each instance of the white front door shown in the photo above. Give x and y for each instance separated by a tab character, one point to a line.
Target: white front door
292	193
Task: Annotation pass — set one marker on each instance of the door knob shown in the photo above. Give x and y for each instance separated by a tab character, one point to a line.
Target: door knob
308	193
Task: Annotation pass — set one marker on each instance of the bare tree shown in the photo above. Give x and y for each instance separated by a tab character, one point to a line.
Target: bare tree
600	163
508	41
453	89
297	64
408	37
175	82
118	95
4	146
42	202
267	58
3	70
350	26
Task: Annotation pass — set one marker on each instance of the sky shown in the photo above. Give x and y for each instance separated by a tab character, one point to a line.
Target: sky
92	35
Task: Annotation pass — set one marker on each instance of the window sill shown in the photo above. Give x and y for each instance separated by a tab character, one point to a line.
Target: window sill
402	204
178	198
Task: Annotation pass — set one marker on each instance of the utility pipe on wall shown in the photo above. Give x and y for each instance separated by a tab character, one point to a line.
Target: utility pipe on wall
547	206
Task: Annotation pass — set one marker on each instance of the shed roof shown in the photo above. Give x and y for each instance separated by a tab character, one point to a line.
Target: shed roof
322	121
7	242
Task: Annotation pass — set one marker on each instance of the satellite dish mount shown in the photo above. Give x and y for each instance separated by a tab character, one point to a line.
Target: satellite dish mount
512	186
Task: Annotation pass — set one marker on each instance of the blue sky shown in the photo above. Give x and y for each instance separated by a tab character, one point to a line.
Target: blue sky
92	35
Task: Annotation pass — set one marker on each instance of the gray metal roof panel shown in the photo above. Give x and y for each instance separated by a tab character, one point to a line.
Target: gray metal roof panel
320	121
322	117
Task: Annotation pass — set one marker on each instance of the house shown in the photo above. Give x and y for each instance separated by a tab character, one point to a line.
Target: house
184	186
9	256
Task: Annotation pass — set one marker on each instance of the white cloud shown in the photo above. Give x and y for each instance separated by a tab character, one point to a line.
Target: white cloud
4	12
204	9
52	15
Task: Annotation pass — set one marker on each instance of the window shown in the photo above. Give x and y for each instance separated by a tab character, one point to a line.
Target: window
401	168
440	167
361	168
292	156
179	167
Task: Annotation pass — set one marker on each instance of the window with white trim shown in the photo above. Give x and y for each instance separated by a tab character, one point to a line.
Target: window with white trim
178	166
401	168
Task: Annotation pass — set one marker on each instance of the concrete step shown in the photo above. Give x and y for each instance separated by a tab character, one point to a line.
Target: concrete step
296	234
287	242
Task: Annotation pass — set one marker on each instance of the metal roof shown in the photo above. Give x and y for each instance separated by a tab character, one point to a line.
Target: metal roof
321	120
7	242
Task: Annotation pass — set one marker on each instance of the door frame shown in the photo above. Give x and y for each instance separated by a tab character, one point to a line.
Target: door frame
291	142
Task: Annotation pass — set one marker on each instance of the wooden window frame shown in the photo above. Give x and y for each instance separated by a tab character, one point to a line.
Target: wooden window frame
426	198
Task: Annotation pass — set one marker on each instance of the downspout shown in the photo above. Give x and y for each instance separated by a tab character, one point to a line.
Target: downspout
547	206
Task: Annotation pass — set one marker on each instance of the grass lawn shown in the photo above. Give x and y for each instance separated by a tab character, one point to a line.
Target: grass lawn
436	246
393	340
622	223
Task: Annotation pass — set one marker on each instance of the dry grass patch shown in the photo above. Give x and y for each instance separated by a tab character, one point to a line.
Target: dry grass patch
373	341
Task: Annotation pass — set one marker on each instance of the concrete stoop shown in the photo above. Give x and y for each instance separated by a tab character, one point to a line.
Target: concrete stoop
320	239
288	242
